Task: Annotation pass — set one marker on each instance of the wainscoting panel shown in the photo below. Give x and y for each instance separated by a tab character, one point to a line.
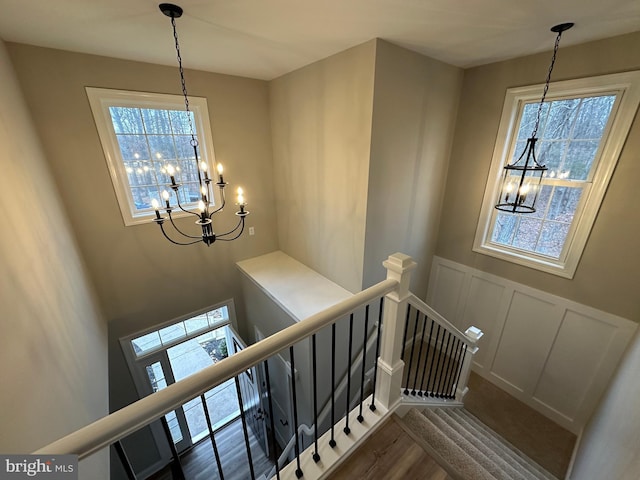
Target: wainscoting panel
484	310
447	299
555	355
526	340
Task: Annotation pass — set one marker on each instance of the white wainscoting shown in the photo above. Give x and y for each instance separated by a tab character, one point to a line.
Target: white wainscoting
555	355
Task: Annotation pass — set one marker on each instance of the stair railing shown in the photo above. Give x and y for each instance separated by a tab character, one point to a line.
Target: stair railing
395	304
437	355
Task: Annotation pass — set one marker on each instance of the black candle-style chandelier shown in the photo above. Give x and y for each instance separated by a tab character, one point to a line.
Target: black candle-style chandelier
521	179
204	214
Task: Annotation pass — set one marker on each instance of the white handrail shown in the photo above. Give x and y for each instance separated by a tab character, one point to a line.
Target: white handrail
436	317
105	431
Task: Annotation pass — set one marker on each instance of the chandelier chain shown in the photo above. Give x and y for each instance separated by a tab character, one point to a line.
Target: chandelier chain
546	85
194	141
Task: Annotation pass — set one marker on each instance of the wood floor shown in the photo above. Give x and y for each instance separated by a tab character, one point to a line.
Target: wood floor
199	462
390	454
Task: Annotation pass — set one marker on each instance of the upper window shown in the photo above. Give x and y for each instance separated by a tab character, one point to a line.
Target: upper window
144	136
583	126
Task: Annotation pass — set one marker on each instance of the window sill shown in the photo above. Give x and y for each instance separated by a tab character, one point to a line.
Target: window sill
561	269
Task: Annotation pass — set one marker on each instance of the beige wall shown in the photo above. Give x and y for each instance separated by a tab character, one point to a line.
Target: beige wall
140	278
414	110
53	339
607	276
609	447
321	126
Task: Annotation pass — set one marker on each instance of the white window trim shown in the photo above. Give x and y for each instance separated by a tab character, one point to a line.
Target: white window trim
627	85
101	99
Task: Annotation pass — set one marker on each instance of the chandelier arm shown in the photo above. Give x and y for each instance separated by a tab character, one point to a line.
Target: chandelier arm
240	223
224	201
183	209
180	231
178	243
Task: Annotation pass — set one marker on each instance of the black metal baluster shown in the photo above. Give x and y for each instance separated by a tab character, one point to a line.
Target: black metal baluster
445	370
295	412
426	356
346	428
176	465
454	364
244	428
213	438
316	456
433	358
464	355
415	377
413	346
271	420
126	464
364	357
372	407
332	442
441	361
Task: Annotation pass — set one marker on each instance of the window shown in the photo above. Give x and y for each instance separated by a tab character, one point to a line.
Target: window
583	126
142	134
174	351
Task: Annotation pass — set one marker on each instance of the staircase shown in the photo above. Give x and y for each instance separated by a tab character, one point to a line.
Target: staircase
468	448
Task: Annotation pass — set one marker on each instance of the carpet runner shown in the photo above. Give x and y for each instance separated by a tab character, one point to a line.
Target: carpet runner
468	449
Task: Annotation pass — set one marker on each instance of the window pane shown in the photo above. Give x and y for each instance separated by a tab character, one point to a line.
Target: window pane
196	323
504	228
126	120
580	156
142	196
140	173
172	332
156	121
561	118
549	154
542	202
146	343
162	147
564	204
218	315
180	121
552	239
133	147
528	121
184	147
593	117
526	237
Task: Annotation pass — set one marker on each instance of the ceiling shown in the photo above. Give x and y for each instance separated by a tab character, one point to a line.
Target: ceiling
268	38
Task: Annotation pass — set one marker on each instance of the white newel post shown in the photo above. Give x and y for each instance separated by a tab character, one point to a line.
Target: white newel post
390	365
473	334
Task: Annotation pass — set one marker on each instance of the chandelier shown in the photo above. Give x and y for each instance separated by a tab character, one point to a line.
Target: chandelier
521	179
204	213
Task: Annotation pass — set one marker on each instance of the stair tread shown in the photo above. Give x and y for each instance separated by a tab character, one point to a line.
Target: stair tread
489	460
440	447
497	442
512	450
460	433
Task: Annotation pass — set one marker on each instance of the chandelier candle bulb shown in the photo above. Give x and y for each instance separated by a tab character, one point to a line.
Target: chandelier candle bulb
171	171
156	207
165	196
241	197
220	170
203	167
